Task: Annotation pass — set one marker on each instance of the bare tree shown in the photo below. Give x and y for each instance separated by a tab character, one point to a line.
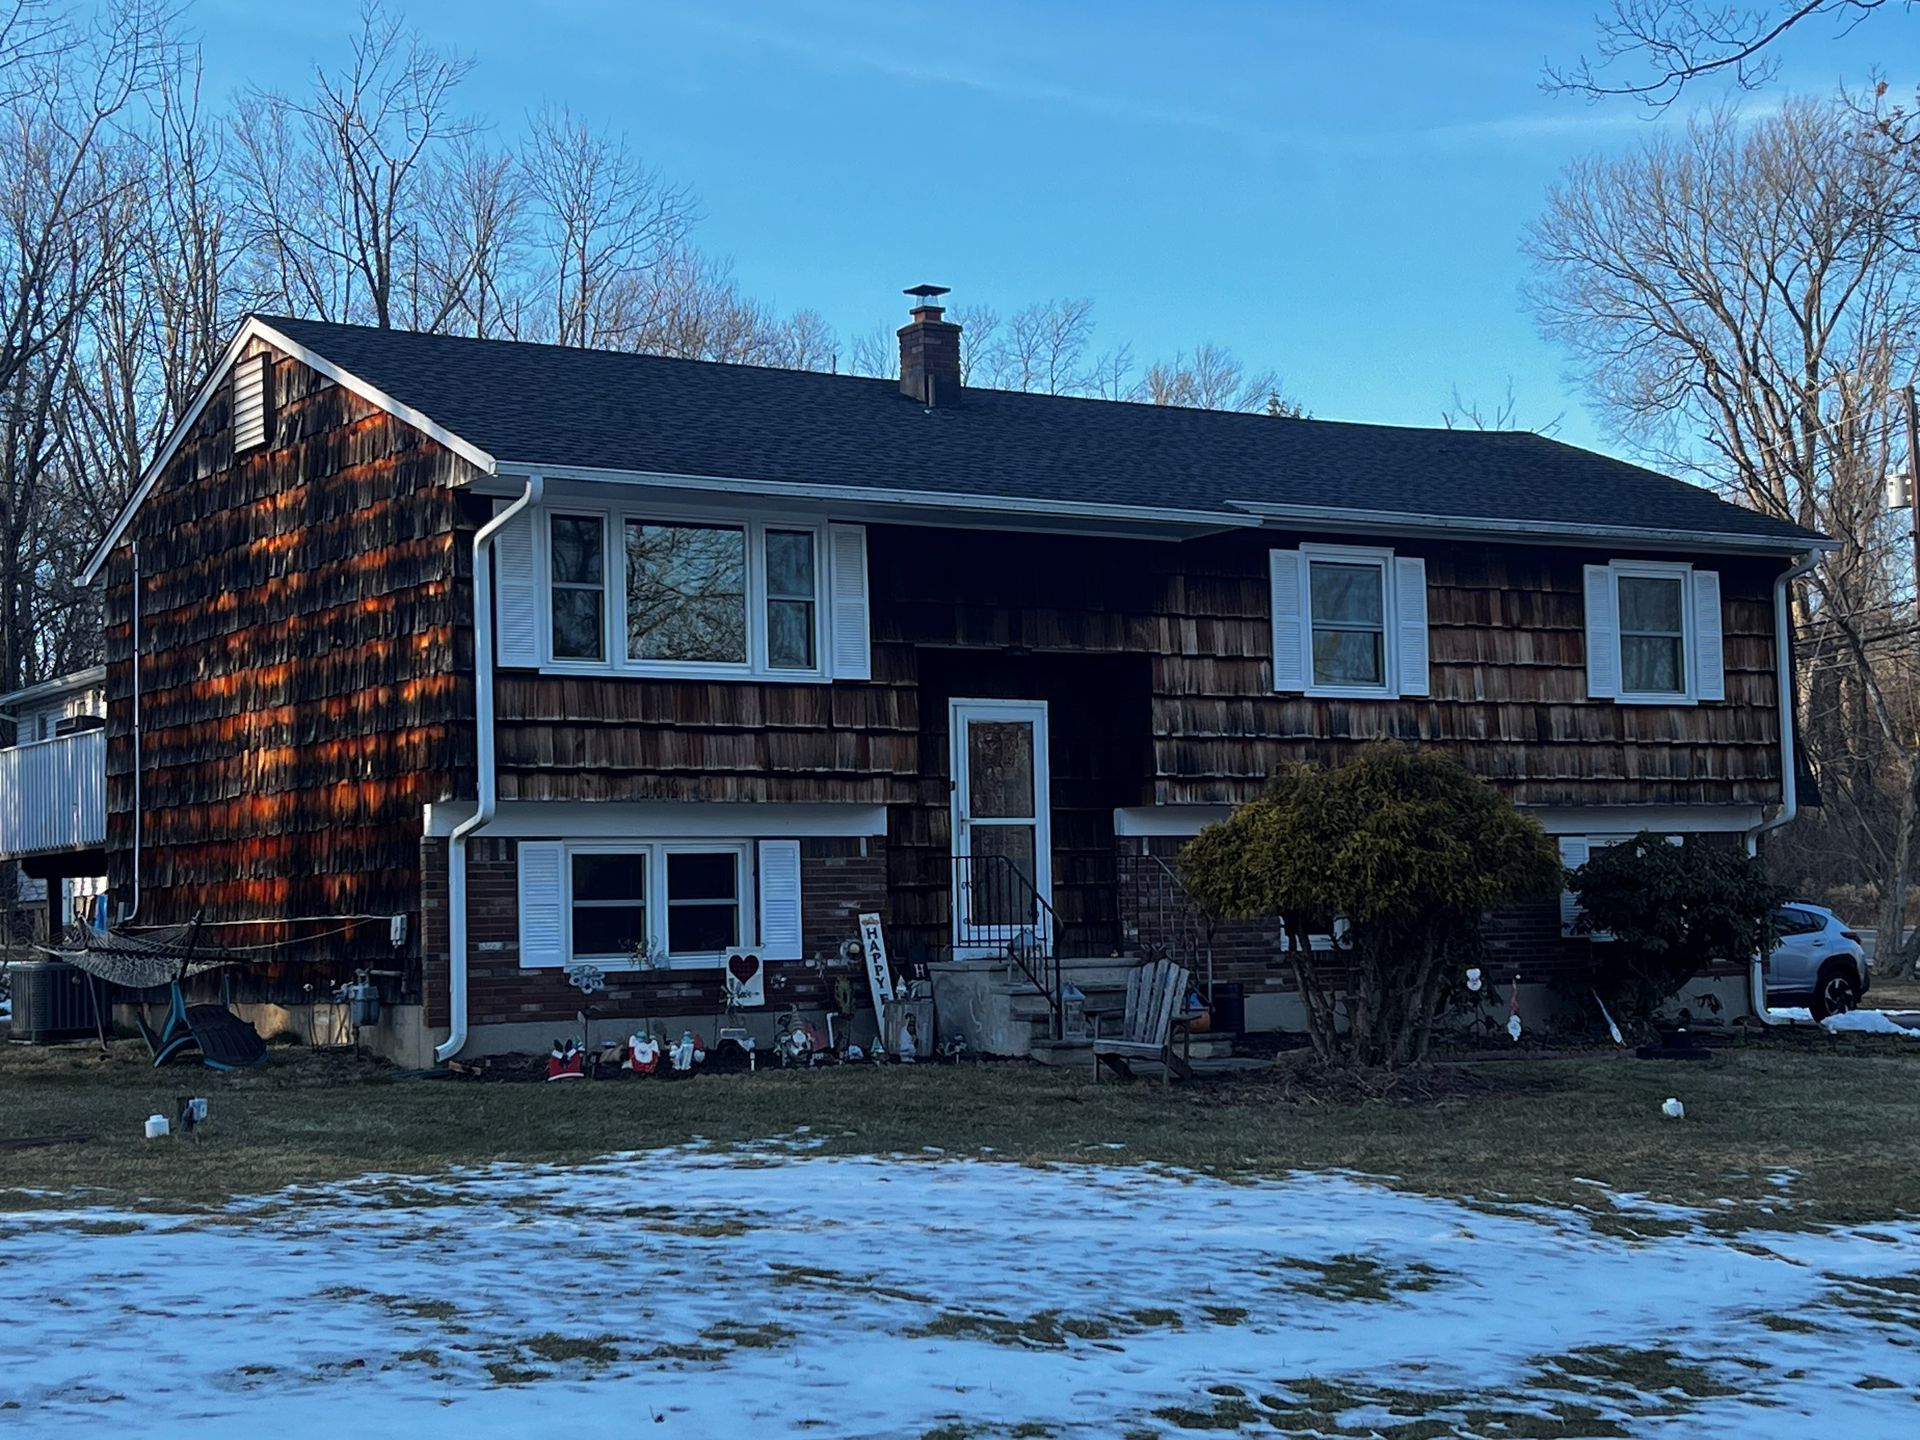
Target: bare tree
610	225
338	185
876	353
1651	50
71	169
1465	414
1741	313
1210	379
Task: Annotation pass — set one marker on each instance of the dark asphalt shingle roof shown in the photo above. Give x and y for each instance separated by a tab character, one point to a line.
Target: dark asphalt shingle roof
554	406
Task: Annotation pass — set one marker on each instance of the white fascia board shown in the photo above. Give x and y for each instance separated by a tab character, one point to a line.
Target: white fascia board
663	819
1180	821
1058	514
1538	532
260	329
1632	819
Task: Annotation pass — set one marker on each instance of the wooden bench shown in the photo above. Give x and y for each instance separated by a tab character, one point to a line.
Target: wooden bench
1155	991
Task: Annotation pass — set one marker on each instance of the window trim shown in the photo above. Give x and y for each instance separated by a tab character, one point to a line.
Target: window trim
614	520
659	899
1689	645
1382	558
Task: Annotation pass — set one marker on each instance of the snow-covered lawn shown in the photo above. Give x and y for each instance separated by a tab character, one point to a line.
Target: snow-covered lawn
766	1291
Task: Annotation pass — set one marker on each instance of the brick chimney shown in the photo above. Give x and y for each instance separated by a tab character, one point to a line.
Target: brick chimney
929	350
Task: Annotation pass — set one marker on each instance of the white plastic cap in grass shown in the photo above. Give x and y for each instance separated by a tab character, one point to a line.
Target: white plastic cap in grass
1673	1109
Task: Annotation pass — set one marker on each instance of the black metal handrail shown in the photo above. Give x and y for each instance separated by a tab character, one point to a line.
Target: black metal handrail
998	911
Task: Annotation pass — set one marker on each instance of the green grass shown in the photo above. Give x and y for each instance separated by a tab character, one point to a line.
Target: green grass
1843	1112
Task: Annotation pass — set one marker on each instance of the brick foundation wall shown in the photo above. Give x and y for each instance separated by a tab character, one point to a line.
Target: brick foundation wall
839	878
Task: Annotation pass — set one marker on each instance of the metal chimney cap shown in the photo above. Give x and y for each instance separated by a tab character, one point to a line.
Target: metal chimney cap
927	294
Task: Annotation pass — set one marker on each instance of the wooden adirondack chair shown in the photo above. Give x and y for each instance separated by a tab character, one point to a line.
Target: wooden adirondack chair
1155	991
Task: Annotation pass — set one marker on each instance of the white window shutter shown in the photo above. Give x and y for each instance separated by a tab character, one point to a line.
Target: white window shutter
1410	618
1603	634
543	904
1709	652
516	581
851	643
1574	852
780	927
1287	572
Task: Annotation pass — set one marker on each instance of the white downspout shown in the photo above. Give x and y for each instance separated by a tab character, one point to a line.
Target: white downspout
1789	785
483	756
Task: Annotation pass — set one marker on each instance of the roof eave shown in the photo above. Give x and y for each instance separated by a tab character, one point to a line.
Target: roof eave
1180	520
58	685
1539	532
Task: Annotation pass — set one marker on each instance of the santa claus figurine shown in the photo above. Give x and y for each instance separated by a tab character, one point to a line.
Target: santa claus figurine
643	1053
566	1061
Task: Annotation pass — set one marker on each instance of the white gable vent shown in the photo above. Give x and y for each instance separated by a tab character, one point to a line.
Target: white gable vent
249	403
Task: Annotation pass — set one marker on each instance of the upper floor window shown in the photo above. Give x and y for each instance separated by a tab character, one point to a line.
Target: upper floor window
667	595
577	572
1349	621
686	592
1654	633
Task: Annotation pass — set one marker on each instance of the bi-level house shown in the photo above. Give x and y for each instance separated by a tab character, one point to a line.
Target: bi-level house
466	662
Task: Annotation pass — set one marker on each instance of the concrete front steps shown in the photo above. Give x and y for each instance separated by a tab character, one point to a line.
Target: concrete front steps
998	1010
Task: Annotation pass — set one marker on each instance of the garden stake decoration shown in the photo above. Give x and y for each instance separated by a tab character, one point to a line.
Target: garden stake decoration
1513	1010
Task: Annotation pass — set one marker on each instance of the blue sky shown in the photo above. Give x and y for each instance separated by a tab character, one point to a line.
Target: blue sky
1332	190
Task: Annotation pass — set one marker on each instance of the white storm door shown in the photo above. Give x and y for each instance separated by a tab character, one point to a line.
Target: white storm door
1002	849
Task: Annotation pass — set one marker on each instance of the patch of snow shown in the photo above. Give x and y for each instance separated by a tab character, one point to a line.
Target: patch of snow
1790	1014
1865	1022
727	1295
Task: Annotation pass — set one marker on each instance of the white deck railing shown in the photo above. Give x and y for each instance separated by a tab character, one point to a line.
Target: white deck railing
53	795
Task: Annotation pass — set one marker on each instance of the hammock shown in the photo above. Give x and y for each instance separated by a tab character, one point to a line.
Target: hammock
148	962
140	962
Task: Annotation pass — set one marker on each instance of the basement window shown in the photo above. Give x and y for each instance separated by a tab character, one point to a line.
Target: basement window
697	919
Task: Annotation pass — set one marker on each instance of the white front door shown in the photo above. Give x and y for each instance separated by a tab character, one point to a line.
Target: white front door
1002	851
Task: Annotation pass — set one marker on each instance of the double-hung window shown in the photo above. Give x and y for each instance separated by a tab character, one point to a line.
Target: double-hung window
1349	621
577	569
1654	633
653	595
1347	608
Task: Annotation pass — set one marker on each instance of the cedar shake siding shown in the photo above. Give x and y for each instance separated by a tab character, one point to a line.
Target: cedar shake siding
1169	646
306	681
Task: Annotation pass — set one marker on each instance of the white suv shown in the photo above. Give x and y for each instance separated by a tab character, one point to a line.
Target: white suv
1818	960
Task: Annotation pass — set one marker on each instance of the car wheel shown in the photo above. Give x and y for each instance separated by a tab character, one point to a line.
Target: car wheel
1836	991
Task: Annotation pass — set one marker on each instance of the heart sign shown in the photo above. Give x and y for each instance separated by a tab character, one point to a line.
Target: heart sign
746	978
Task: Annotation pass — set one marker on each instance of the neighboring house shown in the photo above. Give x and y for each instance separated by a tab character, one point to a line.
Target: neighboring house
53	814
760	650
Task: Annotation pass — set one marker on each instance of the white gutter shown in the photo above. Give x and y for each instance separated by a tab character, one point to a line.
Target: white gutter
1789	784
846	495
1541	531
483	753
